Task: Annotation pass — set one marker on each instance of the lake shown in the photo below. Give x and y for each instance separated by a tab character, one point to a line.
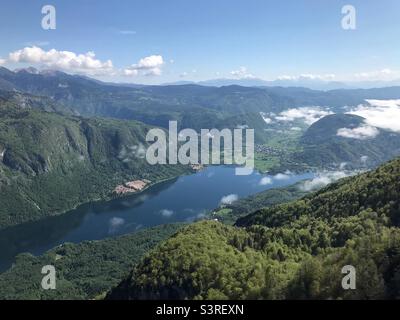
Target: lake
186	198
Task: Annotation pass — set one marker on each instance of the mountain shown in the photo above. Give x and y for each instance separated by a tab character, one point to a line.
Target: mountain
50	163
322	146
157	104
290	251
313	84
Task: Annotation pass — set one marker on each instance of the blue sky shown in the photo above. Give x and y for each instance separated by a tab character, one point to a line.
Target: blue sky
198	40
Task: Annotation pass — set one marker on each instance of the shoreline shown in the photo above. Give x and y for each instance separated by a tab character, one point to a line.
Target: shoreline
107	198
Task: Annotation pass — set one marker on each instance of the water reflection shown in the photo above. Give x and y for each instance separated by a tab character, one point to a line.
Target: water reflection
184	199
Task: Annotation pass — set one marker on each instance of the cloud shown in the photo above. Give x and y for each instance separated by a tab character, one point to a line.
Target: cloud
115	223
62	60
242	73
308	76
2	61
266	119
132	153
166	213
148	66
308	114
361	133
229	199
127	32
265	181
384	114
376	75
85	63
323	179
37	44
282	176
183	74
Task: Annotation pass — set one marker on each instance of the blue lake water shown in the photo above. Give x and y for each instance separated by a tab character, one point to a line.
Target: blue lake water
186	198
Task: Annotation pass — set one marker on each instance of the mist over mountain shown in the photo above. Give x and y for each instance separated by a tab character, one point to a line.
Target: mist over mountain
313	84
346	139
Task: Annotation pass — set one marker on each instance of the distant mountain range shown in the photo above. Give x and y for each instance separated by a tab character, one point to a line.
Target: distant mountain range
313	84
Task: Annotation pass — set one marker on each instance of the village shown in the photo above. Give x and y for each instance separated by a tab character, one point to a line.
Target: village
131	186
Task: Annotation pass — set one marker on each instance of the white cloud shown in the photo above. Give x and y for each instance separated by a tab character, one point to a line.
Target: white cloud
166	213
62	60
322	179
308	76
127	32
308	114
383	75
265	118
282	176
2	61
384	114
265	181
183	74
229	199
37	44
242	73
149	66
115	223
361	133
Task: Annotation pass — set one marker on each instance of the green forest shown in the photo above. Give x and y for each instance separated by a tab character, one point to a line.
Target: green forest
85	271
294	250
51	163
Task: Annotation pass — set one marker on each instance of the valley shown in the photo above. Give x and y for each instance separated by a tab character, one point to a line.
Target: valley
75	186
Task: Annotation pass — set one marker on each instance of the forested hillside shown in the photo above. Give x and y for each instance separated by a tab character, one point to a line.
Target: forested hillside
321	146
294	250
50	163
86	270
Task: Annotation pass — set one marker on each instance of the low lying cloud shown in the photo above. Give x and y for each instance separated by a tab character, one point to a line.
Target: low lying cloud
132	153
149	66
384	114
266	118
229	199
2	61
309	76
361	133
307	114
377	75
265	181
166	213
282	176
323	179
115	223
242	73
